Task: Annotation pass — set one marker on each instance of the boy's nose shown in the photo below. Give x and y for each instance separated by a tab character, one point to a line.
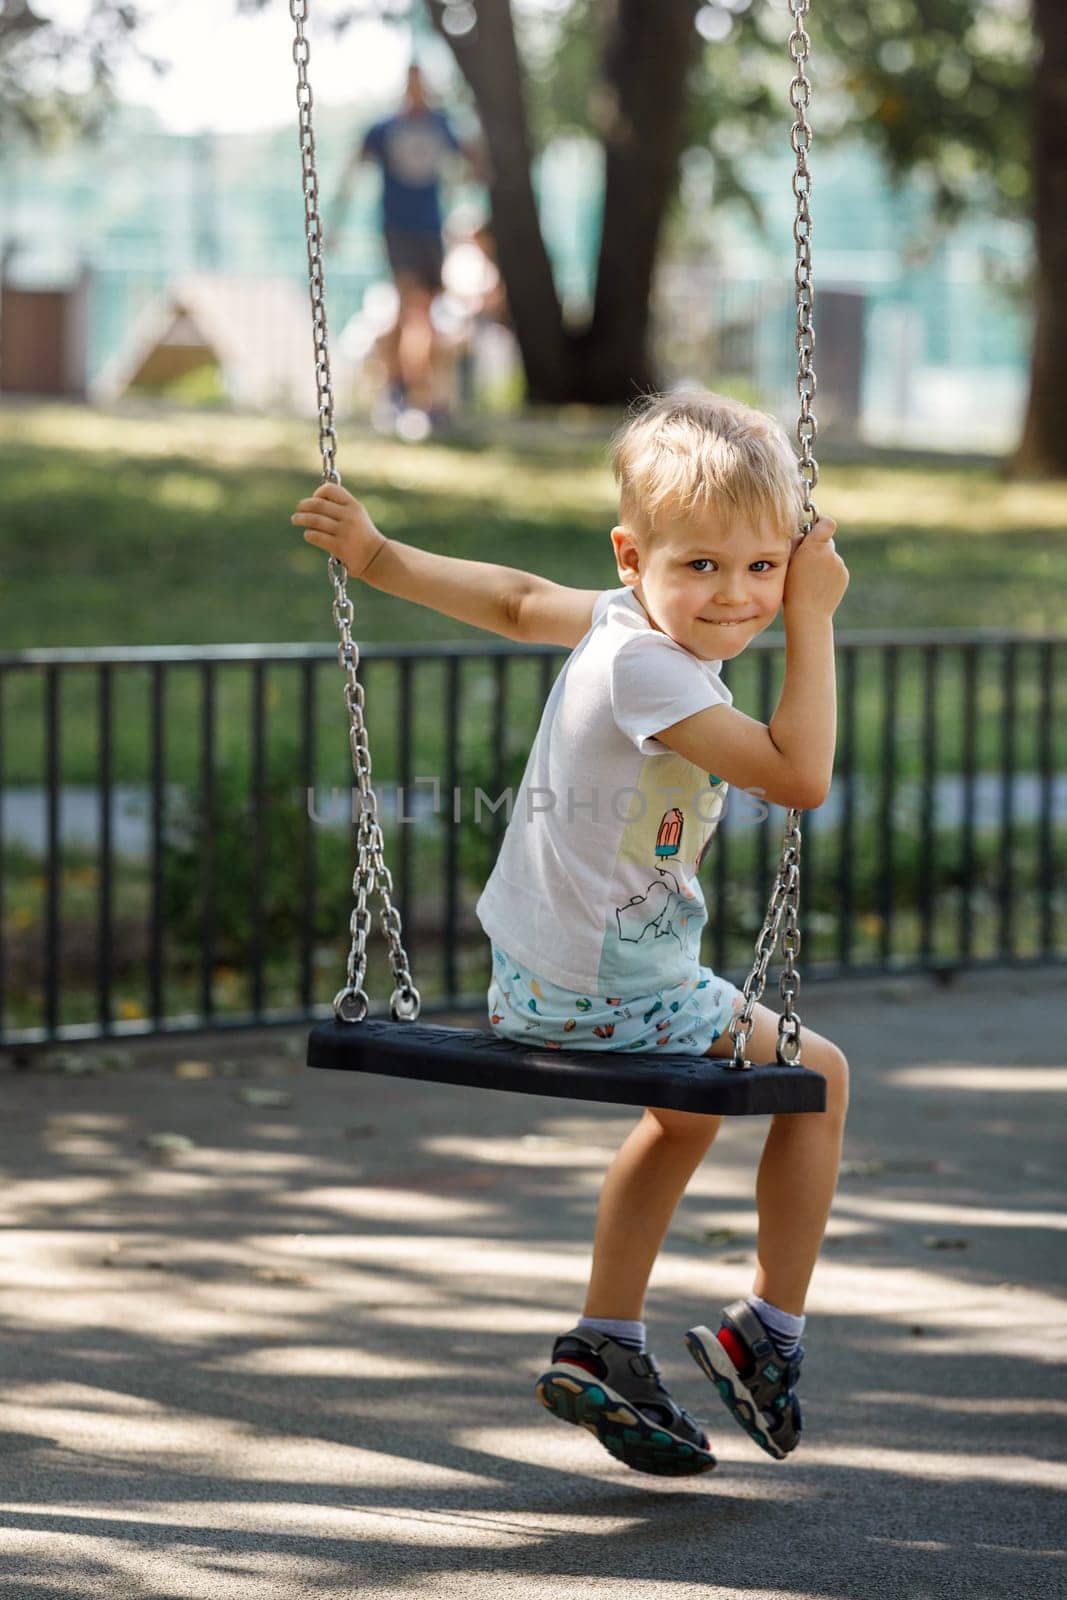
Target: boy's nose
731	591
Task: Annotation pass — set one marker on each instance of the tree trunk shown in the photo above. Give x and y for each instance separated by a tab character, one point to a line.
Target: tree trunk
1042	451
648	52
489	60
648	49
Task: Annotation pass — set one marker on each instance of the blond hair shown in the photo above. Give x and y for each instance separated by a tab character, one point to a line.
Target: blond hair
694	451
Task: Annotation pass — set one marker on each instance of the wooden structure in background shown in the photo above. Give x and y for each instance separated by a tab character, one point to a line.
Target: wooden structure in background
43	339
253	330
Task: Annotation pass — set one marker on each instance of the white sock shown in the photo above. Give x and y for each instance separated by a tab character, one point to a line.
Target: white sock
785	1329
631	1334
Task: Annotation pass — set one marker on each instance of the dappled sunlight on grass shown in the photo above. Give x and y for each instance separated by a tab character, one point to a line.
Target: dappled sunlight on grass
937	499
862	497
223	440
187	491
175	528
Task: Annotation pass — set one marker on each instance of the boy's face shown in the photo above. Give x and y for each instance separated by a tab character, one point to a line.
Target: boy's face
711	584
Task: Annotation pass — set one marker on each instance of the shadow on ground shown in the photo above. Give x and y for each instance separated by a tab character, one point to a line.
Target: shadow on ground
290	1349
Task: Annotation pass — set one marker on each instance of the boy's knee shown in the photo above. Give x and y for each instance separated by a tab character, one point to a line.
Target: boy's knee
833	1064
691	1126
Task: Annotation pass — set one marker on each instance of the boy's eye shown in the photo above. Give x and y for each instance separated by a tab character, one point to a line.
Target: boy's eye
705	561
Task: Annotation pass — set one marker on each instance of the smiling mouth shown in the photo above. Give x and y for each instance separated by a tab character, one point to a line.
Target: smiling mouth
725	622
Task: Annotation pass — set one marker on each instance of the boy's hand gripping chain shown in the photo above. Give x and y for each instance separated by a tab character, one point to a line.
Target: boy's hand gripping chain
350	1004
783	903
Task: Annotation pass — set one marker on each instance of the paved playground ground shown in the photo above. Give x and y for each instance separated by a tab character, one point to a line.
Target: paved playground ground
269	1334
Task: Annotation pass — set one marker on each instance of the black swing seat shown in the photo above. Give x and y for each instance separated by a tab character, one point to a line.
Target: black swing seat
478	1059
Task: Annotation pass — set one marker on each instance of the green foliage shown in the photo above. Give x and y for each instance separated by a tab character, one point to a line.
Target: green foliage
35	49
941	87
232	827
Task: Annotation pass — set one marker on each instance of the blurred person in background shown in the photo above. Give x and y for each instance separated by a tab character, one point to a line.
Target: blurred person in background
412	147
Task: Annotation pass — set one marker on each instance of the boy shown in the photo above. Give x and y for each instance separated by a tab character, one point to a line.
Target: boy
594	909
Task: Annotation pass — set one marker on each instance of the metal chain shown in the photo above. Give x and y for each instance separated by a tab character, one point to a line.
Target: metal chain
784	904
350	1004
800	139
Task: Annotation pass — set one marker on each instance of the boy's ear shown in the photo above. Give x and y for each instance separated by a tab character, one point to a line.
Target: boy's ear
627	552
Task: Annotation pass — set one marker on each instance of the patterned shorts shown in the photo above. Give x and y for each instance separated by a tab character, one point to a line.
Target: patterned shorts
685	1019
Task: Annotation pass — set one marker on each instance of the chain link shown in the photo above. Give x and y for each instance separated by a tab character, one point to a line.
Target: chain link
784	904
350	1004
800	140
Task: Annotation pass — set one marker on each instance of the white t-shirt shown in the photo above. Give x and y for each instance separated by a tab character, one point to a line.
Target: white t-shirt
596	884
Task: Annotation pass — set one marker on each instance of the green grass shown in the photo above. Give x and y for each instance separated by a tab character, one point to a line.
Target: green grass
173	529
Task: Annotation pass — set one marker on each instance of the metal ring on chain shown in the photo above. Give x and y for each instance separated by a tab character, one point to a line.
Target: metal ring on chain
350	1004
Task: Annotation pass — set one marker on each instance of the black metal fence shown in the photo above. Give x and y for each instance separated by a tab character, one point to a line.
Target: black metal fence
176	841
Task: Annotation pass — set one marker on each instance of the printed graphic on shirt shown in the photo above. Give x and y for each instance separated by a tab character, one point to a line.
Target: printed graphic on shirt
662	912
654	936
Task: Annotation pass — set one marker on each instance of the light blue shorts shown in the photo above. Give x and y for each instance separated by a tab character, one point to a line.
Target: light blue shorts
686	1019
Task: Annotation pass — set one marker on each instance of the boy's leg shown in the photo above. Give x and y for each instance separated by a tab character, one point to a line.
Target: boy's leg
798	1169
794	1186
640	1195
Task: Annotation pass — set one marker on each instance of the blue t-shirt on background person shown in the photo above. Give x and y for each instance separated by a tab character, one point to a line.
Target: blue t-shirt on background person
410	147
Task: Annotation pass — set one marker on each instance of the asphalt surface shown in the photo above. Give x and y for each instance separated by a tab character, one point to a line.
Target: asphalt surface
289	1351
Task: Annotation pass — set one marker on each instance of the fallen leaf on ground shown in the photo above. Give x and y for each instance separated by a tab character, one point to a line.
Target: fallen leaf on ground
707	1235
265	1099
193	1071
117	1061
168	1143
73	1064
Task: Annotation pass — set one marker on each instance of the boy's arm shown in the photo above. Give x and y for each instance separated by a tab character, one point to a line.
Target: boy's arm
790	760
476	592
552	613
505	600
